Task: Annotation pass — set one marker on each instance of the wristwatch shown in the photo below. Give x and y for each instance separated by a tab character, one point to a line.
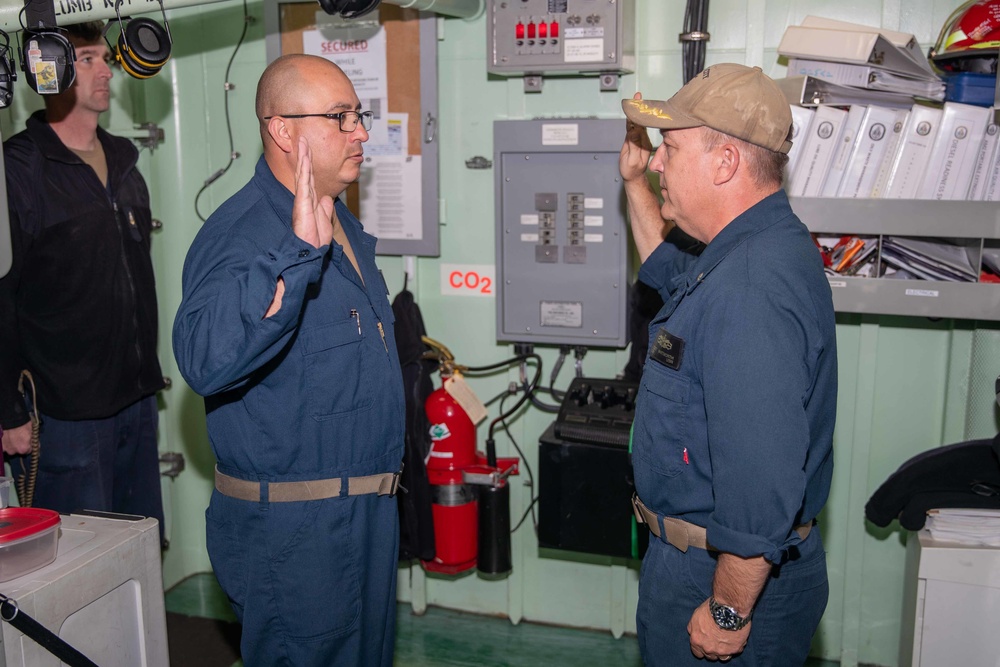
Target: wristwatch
727	617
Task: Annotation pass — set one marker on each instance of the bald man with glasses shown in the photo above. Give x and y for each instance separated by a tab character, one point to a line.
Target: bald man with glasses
285	328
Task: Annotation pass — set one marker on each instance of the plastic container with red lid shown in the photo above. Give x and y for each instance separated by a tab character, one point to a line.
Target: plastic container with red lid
29	537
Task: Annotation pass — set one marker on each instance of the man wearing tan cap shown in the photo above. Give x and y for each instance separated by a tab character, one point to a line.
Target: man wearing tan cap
732	441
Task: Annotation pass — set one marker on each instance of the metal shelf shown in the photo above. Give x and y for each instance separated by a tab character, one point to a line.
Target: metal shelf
924	218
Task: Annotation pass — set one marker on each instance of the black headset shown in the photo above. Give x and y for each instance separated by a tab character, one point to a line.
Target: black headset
47	58
8	73
143	46
348	9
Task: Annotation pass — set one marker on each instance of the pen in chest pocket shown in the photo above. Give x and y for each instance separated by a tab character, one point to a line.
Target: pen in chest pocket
357	318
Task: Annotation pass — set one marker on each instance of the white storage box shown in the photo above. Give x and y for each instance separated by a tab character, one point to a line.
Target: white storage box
103	595
950	604
28	539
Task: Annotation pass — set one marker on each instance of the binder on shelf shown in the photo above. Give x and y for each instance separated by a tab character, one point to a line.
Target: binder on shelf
906	173
848	46
801	121
984	161
868	151
868	76
884	169
993	179
831	184
808	91
817	152
904	40
953	155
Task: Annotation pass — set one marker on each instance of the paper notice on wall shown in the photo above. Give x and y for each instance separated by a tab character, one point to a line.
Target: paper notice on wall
358	50
388	135
390	188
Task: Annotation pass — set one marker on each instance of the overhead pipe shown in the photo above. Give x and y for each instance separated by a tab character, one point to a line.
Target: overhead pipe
69	12
462	9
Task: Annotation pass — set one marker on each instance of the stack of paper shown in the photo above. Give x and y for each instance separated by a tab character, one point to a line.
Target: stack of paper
979	527
848	63
930	260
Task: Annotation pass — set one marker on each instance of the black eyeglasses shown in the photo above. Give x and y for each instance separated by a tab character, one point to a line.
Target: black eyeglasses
348	120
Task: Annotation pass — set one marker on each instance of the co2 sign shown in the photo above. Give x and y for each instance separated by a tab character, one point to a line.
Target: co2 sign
468	280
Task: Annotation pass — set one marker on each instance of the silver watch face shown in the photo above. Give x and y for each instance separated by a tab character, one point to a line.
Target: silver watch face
726	617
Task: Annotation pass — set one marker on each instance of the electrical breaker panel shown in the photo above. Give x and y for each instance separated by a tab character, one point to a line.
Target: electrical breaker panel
560	36
561	239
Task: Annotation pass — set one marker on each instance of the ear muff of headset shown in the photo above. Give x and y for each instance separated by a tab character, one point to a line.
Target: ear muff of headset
7	77
54	49
143	47
131	67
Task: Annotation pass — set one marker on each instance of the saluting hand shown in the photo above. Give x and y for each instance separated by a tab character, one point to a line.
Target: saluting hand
636	151
312	217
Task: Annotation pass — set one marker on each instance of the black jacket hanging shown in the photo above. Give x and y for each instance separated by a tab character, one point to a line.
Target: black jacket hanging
416	522
966	474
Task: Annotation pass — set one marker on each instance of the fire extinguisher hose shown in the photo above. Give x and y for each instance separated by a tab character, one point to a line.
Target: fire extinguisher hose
25	481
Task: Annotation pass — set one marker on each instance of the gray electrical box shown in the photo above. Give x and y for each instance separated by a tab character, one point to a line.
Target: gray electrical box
560	37
562	242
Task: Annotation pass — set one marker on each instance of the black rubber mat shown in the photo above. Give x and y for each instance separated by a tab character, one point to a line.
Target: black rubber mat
202	642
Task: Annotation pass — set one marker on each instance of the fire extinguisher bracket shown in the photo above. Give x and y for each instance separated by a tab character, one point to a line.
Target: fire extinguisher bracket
485	475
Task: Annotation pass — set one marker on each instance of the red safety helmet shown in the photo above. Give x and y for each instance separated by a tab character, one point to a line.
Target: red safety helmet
970	39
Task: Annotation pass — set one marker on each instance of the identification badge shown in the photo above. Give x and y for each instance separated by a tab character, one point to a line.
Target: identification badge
667	349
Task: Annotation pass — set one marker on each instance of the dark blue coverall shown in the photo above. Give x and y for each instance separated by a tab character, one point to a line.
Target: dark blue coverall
734	429
312	392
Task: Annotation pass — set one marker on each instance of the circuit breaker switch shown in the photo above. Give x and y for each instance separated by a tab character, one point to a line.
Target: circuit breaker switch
543	30
519	30
554	29
531	31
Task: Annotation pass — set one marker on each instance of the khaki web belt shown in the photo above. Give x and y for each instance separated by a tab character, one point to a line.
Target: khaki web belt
385	484
683	534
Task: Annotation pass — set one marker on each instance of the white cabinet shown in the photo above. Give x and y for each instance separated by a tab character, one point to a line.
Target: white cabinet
976	220
951	605
103	595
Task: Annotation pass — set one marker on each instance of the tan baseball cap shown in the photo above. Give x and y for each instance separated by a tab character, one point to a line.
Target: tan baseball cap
737	100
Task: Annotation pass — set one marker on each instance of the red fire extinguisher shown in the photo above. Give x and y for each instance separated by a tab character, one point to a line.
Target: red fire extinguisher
470	498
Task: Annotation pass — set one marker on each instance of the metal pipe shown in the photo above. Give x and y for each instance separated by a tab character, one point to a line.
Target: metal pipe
69	12
79	11
463	9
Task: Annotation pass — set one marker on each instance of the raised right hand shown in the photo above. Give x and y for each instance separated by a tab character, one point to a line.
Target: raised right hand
312	217
636	151
17	440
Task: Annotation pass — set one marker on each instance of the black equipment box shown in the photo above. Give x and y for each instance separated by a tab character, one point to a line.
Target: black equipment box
585	472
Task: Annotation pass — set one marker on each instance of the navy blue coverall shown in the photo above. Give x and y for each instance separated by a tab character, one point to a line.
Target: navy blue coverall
734	429
312	392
